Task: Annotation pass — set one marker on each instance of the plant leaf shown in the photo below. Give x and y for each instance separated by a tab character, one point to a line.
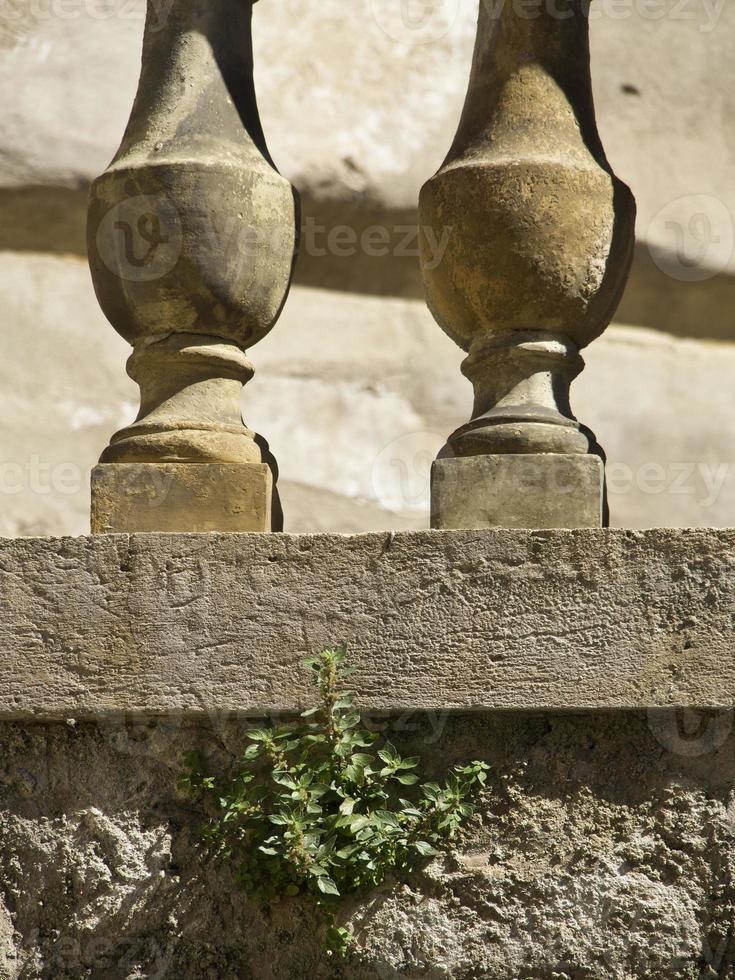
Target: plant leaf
389	754
327	886
258	735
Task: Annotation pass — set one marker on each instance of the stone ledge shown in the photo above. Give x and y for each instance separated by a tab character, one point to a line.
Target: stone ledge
442	620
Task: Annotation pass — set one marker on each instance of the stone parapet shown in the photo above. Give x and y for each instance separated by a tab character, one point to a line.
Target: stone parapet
458	621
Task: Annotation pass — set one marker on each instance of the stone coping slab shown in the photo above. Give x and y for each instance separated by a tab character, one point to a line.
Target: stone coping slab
435	620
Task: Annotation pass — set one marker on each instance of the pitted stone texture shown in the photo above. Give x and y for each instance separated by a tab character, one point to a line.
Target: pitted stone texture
458	620
597	853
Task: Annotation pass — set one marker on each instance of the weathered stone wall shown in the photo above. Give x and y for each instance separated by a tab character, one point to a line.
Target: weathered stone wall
357	387
603	850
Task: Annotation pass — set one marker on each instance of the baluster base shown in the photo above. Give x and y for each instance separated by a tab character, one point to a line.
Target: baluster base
532	491
181	497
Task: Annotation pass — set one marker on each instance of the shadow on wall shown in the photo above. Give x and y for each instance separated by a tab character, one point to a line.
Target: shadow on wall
701	309
374	251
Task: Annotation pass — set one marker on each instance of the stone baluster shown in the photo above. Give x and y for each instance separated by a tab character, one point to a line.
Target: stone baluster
192	234
540	236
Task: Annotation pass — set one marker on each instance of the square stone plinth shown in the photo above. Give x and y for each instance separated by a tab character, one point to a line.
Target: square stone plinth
176	497
522	492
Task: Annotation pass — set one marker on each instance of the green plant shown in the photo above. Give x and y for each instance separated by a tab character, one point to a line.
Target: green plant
315	808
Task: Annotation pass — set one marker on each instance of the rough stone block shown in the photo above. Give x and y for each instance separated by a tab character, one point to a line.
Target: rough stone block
435	621
130	497
524	491
600	851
